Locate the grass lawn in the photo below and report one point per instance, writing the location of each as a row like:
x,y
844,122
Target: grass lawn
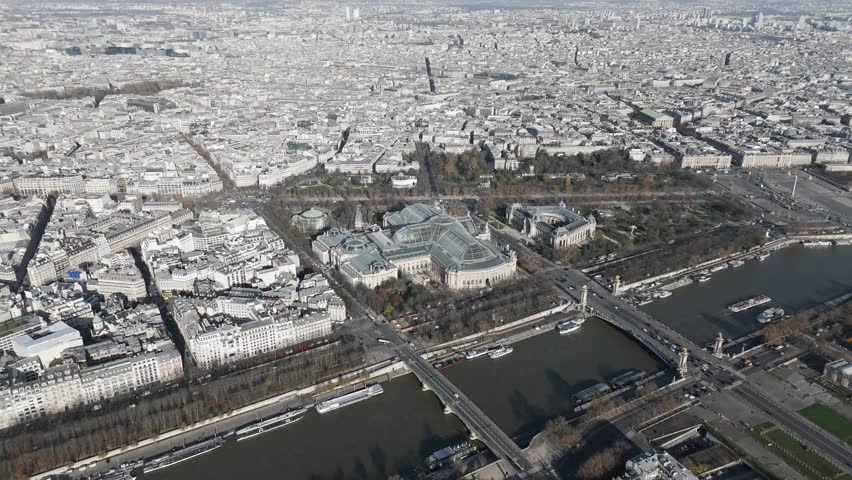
x,y
829,420
808,463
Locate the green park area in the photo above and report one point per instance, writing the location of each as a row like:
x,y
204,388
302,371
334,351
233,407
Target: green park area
x,y
829,420
807,462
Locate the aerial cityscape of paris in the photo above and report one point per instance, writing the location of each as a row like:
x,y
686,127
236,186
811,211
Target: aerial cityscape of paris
x,y
440,240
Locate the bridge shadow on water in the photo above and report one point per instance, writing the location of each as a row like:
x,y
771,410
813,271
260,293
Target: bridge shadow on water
x,y
381,465
561,392
376,468
525,413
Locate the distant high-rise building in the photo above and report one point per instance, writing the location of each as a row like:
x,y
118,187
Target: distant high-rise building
x,y
706,13
637,23
348,15
429,76
759,20
728,58
356,14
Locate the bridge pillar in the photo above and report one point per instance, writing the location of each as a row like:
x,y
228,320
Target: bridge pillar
x,y
717,348
447,410
424,387
682,362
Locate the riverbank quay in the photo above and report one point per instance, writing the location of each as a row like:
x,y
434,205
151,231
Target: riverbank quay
x,y
770,246
628,418
230,421
508,333
375,373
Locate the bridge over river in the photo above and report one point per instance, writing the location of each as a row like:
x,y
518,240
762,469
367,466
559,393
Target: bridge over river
x,y
456,402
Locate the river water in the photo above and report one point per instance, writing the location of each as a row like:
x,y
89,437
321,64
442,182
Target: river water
x,y
394,432
795,278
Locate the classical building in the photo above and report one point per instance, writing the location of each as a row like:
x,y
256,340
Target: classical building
x,y
418,239
126,281
311,220
126,375
712,160
772,159
244,331
656,119
29,390
656,466
401,181
556,226
839,372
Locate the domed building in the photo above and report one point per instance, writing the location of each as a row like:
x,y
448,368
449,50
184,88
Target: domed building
x,y
311,220
419,239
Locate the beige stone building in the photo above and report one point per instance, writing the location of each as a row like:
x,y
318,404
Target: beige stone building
x,y
419,239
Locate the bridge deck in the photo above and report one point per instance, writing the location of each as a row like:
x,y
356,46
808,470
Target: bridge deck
x,y
475,420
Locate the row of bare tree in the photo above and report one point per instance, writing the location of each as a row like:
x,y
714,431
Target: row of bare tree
x,y
58,440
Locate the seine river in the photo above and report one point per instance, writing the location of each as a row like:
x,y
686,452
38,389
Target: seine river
x,y
795,278
394,432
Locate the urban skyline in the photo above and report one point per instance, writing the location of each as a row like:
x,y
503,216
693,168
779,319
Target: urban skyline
x,y
218,220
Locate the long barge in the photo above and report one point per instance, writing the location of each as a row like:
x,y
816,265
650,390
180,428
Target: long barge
x,y
751,302
182,454
449,455
262,426
349,398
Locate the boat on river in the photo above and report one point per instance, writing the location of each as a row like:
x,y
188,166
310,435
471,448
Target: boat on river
x,y
182,454
751,302
449,455
770,314
500,351
349,398
475,353
262,426
569,326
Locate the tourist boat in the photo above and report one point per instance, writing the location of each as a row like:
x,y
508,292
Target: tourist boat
x,y
736,263
568,327
751,302
349,398
762,256
703,278
500,351
663,294
817,243
475,352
